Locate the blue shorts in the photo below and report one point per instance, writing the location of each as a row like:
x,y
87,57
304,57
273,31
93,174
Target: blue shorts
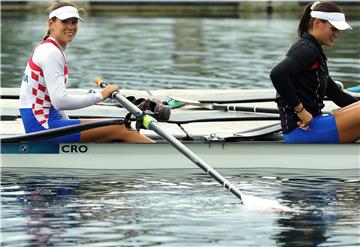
x,y
55,121
322,130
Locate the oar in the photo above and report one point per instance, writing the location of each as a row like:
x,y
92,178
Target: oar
x,y
244,108
175,102
266,117
151,124
179,102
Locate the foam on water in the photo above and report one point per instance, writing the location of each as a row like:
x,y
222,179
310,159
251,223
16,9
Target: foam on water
x,y
257,203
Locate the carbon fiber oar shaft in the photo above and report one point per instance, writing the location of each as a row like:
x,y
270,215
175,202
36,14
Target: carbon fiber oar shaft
x,y
152,124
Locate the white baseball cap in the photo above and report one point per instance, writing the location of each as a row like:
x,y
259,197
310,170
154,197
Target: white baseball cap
x,y
336,19
65,12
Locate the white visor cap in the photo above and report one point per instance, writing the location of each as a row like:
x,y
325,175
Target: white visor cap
x,y
335,18
65,12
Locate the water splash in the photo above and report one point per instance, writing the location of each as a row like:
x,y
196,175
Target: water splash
x,y
257,203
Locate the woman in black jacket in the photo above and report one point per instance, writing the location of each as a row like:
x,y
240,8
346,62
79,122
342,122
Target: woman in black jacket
x,y
302,81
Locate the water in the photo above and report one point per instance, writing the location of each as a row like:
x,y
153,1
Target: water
x,y
153,53
177,208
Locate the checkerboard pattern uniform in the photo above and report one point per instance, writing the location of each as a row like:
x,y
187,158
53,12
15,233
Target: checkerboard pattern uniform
x,y
41,99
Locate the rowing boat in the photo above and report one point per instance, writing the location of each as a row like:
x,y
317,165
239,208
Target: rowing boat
x,y
163,156
223,139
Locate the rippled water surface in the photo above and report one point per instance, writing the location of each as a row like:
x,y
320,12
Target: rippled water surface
x,y
177,208
148,53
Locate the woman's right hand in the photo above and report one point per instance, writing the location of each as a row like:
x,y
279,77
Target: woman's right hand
x,y
108,90
305,118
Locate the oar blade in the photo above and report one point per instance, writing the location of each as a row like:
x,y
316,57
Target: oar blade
x,y
261,204
176,102
173,103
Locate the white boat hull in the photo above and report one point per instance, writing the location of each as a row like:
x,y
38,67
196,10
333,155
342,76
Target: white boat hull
x,y
240,154
164,156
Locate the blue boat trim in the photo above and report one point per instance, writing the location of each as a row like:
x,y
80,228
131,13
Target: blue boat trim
x,y
30,148
355,89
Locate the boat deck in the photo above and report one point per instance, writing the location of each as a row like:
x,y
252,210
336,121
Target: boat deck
x,y
187,122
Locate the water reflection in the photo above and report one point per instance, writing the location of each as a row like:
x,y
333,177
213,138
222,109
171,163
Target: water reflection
x,y
174,207
309,227
148,53
45,208
304,230
322,206
63,210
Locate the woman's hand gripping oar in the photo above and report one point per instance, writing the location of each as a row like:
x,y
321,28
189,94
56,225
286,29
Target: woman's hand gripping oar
x,y
151,124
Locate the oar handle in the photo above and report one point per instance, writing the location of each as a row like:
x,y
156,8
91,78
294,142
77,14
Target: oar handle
x,y
122,100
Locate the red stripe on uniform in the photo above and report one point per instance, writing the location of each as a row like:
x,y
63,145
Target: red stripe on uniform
x,y
41,88
42,122
66,70
47,98
34,76
39,112
46,115
52,42
315,66
39,101
34,91
33,66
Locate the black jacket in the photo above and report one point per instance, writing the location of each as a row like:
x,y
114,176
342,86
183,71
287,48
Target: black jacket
x,y
303,77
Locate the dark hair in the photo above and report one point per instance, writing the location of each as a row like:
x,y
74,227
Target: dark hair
x,y
306,21
58,4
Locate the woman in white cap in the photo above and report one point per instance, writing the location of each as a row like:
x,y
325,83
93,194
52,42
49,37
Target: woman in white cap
x,y
302,81
44,97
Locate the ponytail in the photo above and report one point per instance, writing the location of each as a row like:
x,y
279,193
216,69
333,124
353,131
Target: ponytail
x,y
306,21
47,34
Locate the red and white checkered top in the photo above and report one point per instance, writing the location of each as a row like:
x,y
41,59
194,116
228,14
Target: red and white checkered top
x,y
34,77
44,83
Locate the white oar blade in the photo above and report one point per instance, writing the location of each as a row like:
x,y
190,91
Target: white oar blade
x,y
257,203
187,101
190,102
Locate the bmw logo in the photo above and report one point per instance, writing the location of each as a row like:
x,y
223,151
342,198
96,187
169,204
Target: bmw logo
x,y
23,148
